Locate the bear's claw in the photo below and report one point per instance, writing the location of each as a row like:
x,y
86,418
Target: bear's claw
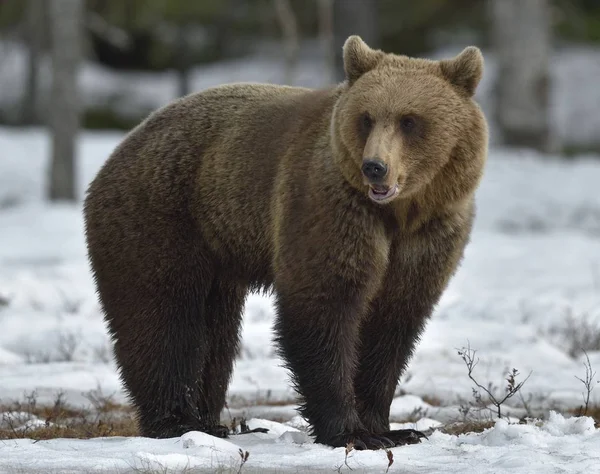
x,y
363,441
219,431
254,430
402,437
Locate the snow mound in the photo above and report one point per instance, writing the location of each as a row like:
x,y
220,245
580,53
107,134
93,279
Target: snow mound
x,y
558,425
534,433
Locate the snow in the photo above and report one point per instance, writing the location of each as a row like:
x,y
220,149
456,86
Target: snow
x,y
555,445
529,279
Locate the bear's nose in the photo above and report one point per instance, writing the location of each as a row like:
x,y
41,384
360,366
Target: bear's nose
x,y
374,170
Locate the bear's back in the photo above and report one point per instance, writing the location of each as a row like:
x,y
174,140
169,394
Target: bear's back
x,y
211,158
264,125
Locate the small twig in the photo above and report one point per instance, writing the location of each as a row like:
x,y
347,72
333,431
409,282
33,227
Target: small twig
x,y
588,384
244,456
349,449
9,421
511,389
526,404
390,457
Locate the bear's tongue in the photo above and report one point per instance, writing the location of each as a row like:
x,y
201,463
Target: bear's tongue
x,y
380,190
381,193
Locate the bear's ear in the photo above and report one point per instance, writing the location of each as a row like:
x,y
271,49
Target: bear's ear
x,y
465,70
358,58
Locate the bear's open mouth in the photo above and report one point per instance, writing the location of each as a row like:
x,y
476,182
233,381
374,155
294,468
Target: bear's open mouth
x,y
382,193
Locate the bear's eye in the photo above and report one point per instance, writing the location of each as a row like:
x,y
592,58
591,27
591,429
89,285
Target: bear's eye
x,y
408,123
366,122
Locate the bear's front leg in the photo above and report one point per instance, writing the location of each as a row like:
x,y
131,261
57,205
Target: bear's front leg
x,y
421,265
323,283
317,335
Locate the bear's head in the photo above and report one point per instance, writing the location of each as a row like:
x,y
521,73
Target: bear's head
x,y
405,126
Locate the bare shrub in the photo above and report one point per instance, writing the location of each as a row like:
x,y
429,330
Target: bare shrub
x,y
4,301
588,383
65,350
486,395
103,353
67,345
577,335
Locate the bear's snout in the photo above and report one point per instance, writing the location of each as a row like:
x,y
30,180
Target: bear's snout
x,y
374,170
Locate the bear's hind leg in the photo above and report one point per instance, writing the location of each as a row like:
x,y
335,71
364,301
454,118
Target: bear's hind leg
x,y
163,360
156,310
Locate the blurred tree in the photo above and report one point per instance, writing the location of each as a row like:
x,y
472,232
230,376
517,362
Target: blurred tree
x,y
183,62
578,20
148,35
66,25
289,28
158,29
325,14
354,17
521,38
35,34
417,28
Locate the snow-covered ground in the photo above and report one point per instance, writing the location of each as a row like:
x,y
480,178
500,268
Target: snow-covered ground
x,y
557,445
526,295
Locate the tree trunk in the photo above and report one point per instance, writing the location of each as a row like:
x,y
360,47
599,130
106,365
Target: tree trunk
x,y
353,17
326,37
522,42
66,19
289,27
183,61
34,30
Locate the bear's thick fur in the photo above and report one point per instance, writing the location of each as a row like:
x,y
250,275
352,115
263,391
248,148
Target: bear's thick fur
x,y
353,203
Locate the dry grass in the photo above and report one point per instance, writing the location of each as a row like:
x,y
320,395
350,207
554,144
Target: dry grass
x,y
432,400
103,418
465,427
28,419
81,427
593,411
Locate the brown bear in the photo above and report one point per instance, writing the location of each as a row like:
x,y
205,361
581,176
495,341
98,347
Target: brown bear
x,y
353,204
